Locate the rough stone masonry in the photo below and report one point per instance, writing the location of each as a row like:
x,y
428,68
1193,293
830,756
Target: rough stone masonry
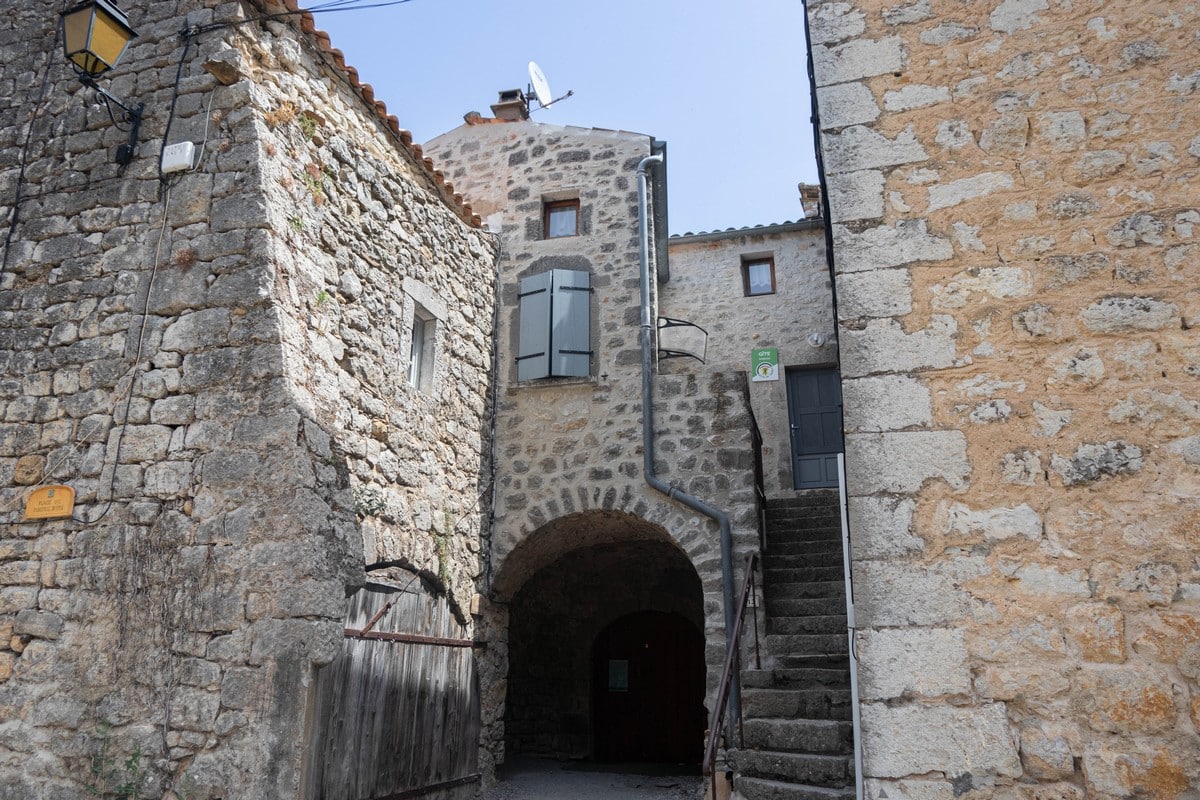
x,y
1017,240
218,366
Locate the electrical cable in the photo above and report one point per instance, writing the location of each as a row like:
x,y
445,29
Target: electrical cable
x,y
132,374
165,186
187,34
203,142
24,159
321,8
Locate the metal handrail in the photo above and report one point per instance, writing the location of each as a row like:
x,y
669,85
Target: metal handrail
x,y
756,446
732,668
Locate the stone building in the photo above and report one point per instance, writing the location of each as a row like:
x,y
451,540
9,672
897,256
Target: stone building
x,y
260,376
301,372
790,312
268,380
589,563
1014,221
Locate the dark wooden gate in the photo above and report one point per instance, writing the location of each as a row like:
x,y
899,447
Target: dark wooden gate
x,y
397,713
648,690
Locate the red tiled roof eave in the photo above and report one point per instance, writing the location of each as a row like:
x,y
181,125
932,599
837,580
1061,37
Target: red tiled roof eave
x,y
338,61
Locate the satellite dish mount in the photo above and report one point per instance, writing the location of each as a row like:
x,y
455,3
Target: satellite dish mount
x,y
539,88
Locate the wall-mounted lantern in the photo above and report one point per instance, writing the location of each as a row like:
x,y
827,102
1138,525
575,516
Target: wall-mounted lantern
x,y
95,35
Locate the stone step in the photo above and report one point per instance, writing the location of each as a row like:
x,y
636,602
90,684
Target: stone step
x,y
813,769
785,606
830,673
762,789
799,736
776,575
829,623
809,558
793,523
792,546
823,703
789,590
807,644
815,498
794,526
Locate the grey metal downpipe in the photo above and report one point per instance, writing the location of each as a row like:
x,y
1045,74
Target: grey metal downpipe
x,y
670,491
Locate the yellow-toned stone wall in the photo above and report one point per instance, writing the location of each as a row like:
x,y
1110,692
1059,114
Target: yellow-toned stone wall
x,y
1016,216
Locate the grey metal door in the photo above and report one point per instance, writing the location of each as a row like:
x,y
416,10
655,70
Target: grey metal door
x,y
815,413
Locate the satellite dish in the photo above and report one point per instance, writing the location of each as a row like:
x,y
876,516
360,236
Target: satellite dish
x,y
541,87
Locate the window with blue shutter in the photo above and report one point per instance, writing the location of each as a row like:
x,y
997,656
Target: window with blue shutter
x,y
555,315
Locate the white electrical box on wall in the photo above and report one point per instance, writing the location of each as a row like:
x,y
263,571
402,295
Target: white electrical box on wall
x,y
178,157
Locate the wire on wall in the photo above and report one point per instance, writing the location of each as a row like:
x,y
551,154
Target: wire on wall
x,y
126,396
133,370
38,104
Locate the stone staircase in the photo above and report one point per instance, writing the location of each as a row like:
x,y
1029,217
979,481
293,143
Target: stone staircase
x,y
796,710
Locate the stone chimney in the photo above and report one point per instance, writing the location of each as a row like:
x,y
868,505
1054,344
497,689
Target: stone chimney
x,y
810,200
511,106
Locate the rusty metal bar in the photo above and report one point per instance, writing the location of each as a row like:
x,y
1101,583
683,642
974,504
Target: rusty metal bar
x,y
754,615
371,624
433,787
731,665
410,638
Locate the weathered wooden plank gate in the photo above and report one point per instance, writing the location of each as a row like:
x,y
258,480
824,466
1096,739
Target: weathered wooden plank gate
x,y
397,713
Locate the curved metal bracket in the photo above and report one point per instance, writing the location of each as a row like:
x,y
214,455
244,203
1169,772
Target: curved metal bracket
x,y
132,116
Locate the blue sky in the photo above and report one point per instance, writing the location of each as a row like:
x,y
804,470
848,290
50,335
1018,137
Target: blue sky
x,y
724,84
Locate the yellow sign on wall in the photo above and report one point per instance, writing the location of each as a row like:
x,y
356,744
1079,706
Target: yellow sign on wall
x,y
50,502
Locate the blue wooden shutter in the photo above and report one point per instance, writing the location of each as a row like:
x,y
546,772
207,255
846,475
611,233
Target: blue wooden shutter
x,y
571,319
533,345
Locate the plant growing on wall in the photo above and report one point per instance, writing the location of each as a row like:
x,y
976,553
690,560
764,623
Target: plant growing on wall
x,y
369,501
308,126
314,181
112,780
282,114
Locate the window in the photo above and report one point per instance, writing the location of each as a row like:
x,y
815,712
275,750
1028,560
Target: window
x,y
560,218
420,354
758,276
555,319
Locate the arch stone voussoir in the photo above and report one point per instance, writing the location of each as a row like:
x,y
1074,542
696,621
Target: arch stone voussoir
x,y
603,515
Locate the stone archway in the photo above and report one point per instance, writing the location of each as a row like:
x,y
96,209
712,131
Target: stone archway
x,y
562,598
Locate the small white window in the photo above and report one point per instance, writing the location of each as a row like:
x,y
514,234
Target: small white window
x,y
421,351
758,276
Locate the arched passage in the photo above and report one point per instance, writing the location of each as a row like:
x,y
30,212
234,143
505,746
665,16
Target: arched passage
x,y
558,614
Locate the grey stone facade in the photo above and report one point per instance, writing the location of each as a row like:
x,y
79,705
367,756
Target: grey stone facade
x,y
568,451
1013,194
706,288
218,366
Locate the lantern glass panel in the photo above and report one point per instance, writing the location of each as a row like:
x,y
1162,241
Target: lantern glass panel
x,y
77,25
95,35
109,38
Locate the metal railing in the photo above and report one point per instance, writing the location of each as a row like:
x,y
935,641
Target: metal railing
x,y
729,682
756,446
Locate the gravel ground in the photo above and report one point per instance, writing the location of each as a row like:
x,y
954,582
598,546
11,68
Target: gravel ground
x,y
544,779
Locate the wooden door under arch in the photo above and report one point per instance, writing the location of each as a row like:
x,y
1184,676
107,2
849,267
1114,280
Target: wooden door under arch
x,y
648,690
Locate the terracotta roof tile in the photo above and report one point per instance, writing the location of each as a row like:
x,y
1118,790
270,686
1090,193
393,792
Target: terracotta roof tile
x,y
481,120
338,58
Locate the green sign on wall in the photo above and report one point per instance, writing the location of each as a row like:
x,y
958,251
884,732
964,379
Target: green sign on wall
x,y
764,364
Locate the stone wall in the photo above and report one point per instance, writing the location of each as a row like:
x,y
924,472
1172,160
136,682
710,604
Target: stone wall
x,y
706,289
568,451
1013,188
211,364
